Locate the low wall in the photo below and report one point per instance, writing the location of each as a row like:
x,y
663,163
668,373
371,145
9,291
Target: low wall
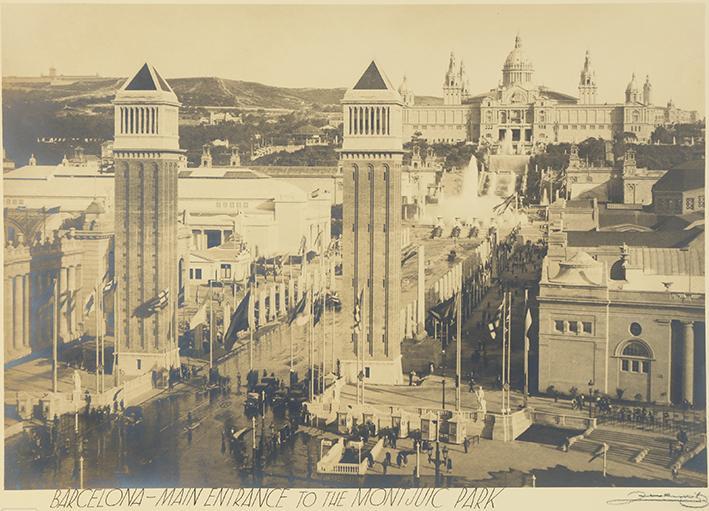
x,y
563,421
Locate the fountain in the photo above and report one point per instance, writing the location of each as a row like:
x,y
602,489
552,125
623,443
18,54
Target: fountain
x,y
472,206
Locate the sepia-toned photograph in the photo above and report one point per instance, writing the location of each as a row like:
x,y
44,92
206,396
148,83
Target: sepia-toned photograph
x,y
353,246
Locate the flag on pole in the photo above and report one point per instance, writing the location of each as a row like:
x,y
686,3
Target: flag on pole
x,y
505,204
240,320
159,302
226,314
318,307
110,284
493,325
318,242
199,317
89,305
445,310
300,313
357,327
527,328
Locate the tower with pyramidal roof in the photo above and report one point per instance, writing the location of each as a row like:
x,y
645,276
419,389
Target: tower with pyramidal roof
x,y
371,157
146,153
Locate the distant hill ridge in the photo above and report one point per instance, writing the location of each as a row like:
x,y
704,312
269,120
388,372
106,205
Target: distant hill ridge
x,y
194,92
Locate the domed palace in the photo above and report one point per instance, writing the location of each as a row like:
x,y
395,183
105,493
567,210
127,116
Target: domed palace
x,y
519,114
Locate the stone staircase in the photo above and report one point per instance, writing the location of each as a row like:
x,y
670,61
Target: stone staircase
x,y
624,446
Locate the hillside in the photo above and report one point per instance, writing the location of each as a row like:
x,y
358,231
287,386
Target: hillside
x,y
192,92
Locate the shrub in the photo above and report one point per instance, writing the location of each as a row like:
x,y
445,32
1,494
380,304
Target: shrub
x,y
619,393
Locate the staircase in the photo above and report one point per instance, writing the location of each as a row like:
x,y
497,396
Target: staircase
x,y
625,445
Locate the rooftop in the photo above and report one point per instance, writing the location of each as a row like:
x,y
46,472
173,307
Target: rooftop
x,y
659,239
685,177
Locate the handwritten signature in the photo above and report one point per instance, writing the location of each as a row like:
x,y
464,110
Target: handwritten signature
x,y
694,500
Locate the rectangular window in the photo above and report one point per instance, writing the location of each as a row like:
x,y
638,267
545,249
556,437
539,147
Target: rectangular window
x,y
624,365
701,201
226,271
636,366
573,327
646,367
587,327
689,203
138,363
366,372
558,326
191,273
198,273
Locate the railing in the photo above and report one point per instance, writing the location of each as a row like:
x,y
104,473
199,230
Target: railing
x,y
662,422
344,468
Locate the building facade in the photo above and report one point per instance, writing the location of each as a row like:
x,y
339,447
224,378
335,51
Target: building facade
x,y
371,158
521,113
626,320
146,154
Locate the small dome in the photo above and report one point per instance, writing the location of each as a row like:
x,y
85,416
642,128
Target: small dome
x,y
404,87
631,85
517,58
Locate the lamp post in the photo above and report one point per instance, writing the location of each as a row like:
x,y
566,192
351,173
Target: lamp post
x,y
590,397
443,379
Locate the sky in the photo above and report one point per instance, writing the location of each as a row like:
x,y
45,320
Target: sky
x,y
330,45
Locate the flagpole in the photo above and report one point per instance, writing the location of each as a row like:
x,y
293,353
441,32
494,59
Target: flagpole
x,y
458,340
504,350
290,327
55,336
526,348
322,323
211,333
252,300
103,340
365,337
311,355
509,345
97,341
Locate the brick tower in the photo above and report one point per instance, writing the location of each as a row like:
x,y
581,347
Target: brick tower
x,y
371,165
146,154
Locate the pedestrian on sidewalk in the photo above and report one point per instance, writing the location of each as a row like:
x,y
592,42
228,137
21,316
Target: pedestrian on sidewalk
x,y
385,464
466,444
449,465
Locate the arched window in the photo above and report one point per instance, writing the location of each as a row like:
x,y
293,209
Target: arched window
x,y
636,349
636,116
635,358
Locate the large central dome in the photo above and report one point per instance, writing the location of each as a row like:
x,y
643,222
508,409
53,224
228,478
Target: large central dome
x,y
518,68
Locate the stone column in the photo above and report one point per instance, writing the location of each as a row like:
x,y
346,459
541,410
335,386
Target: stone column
x,y
272,302
262,308
291,293
281,298
17,321
8,330
688,361
26,310
420,291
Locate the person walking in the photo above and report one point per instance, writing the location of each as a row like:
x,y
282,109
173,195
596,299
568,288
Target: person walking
x,y
466,444
449,465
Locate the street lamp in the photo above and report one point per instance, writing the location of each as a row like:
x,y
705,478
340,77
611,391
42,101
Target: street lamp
x,y
443,378
590,397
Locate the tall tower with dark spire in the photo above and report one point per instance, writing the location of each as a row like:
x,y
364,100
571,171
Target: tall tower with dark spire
x,y
452,85
647,91
587,84
146,154
371,157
